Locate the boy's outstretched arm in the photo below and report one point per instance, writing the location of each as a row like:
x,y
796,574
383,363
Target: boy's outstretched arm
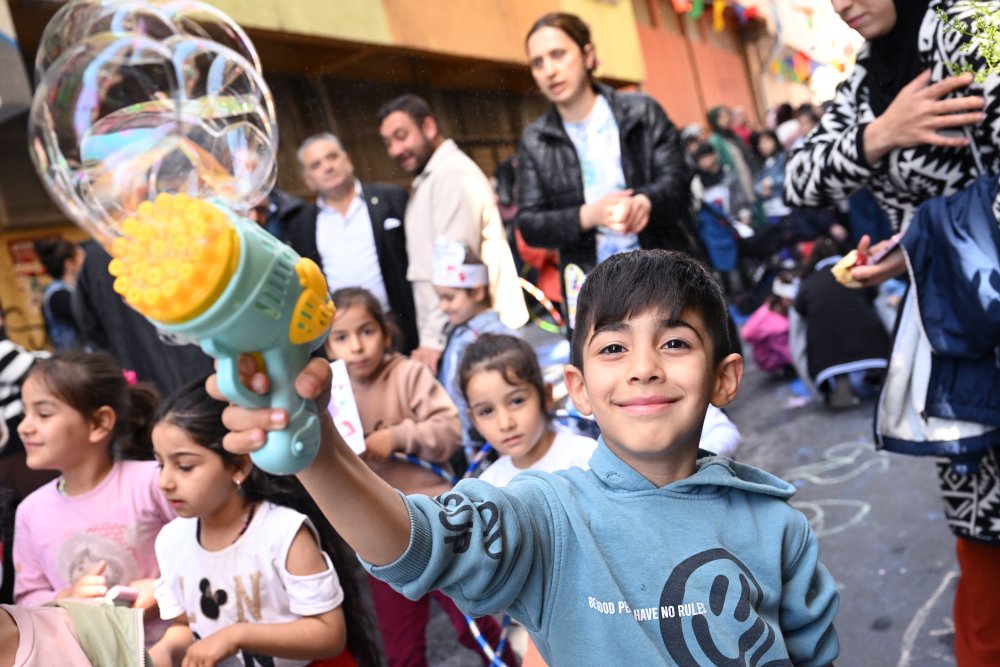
x,y
368,513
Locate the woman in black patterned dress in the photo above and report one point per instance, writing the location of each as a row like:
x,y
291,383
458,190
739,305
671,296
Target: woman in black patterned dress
x,y
903,125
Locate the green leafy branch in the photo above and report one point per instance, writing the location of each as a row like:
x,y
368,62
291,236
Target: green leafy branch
x,y
983,38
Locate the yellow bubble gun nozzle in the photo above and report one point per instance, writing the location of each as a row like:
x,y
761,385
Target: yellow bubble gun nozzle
x,y
197,269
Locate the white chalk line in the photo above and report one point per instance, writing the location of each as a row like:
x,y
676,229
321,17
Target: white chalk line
x,y
819,516
913,630
838,457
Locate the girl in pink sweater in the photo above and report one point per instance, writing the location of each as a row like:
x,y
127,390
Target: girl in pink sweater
x,y
93,527
403,408
767,329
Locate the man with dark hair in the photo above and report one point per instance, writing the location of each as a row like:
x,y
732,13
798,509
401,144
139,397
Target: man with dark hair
x,y
354,231
453,199
413,106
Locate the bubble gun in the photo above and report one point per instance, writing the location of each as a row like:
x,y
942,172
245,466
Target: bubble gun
x,y
196,269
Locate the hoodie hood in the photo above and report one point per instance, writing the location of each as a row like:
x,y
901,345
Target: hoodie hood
x,y
713,475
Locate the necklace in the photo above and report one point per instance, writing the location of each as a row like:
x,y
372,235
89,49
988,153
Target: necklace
x,y
247,518
61,483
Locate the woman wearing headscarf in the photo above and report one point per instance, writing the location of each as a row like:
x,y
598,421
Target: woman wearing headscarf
x,y
904,125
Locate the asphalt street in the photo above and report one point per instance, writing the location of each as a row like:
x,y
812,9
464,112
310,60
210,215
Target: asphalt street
x,y
878,517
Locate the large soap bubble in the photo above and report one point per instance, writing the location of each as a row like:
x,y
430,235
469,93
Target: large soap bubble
x,y
78,20
199,19
67,28
118,120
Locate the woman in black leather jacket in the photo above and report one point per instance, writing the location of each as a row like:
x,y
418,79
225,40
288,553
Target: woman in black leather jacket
x,y
633,192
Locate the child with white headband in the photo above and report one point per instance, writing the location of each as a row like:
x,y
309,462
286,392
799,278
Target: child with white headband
x,y
462,284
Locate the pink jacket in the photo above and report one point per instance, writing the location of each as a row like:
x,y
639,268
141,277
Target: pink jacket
x,y
767,333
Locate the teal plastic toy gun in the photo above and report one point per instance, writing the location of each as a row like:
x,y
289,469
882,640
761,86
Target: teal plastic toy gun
x,y
196,269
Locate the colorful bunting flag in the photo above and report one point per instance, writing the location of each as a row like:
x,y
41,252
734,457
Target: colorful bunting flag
x,y
718,16
695,8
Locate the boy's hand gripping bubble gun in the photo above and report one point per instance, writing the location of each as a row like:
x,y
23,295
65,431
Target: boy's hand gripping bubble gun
x,y
196,269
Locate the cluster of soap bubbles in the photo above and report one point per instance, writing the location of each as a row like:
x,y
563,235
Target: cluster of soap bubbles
x,y
138,98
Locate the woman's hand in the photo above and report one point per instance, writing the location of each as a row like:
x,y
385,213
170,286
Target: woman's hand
x,y
633,214
248,428
871,275
918,113
602,212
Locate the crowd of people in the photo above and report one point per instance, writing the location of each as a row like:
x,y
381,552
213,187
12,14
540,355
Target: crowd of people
x,y
668,251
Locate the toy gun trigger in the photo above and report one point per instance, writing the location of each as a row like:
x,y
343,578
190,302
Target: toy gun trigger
x,y
314,310
231,386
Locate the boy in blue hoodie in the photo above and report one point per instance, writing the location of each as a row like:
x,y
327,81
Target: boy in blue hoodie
x,y
659,554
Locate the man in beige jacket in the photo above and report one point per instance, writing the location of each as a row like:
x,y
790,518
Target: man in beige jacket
x,y
451,198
